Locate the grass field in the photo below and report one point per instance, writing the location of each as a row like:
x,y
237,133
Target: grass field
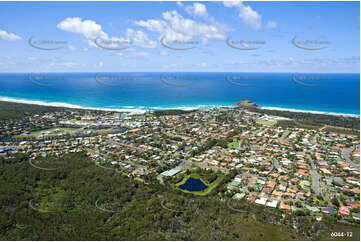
x,y
267,123
197,176
37,133
235,144
60,130
71,131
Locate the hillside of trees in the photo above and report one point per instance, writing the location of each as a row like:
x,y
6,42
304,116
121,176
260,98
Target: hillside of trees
x,y
313,118
81,201
10,110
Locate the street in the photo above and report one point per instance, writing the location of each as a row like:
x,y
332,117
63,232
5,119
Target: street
x,y
315,175
345,154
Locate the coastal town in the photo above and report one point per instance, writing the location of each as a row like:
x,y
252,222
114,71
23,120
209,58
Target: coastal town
x,y
296,170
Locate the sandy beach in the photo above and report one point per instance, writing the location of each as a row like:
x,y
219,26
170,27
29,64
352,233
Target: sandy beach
x,y
141,111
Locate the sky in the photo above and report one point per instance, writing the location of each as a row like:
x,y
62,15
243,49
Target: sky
x,y
231,36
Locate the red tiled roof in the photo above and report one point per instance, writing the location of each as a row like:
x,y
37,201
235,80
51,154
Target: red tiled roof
x,y
285,206
270,184
302,171
344,211
345,189
356,190
351,178
250,198
289,194
353,205
291,190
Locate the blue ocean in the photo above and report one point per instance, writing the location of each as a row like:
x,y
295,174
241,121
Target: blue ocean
x,y
329,93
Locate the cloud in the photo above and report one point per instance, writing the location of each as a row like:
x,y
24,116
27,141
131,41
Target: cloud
x,y
271,24
174,26
139,38
88,28
91,31
9,36
197,9
200,10
249,16
230,4
180,4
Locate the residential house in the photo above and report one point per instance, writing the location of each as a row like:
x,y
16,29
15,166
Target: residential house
x,y
344,211
285,206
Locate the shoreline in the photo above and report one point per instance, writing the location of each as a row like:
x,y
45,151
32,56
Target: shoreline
x,y
142,111
67,105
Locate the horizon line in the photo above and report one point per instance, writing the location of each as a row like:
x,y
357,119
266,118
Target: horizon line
x,y
177,72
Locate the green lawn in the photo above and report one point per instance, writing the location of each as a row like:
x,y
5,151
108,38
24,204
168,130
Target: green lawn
x,y
235,144
57,132
267,123
64,130
37,133
197,176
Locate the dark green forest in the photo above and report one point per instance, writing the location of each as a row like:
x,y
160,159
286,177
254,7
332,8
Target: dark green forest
x,y
11,110
313,119
81,201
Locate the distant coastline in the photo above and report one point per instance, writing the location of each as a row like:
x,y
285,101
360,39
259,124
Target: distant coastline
x,y
136,110
66,105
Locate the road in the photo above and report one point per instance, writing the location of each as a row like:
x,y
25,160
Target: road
x,y
315,176
314,139
285,134
14,147
184,165
322,128
345,154
41,168
276,164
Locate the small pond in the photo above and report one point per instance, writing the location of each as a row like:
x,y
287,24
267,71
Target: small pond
x,y
193,185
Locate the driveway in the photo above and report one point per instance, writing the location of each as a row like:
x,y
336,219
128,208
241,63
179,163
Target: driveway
x,y
314,139
276,164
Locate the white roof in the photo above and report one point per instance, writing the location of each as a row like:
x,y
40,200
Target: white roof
x,y
237,179
272,204
261,201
